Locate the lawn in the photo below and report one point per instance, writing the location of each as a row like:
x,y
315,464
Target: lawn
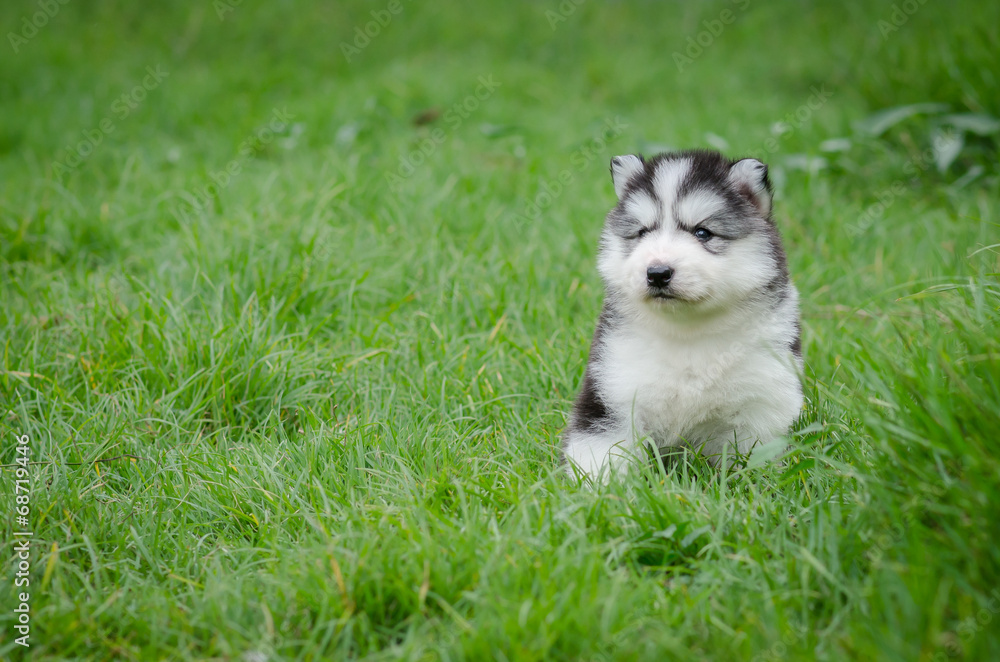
x,y
295,298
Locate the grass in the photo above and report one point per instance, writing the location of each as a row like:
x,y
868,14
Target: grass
x,y
312,412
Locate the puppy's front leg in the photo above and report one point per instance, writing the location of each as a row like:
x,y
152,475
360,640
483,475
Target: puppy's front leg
x,y
598,454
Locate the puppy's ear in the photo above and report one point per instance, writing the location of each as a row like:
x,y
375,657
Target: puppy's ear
x,y
749,177
623,169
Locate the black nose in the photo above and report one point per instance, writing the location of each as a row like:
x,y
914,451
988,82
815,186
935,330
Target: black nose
x,y
659,276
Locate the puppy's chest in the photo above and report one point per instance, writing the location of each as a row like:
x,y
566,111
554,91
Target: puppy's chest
x,y
673,387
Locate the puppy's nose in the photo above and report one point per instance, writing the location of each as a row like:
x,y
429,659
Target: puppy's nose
x,y
658,276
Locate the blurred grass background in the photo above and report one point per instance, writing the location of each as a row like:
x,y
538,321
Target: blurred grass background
x,y
342,366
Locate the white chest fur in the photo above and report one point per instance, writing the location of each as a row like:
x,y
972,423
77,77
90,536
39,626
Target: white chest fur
x,y
700,388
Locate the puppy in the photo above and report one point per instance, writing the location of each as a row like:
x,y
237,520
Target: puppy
x,y
699,342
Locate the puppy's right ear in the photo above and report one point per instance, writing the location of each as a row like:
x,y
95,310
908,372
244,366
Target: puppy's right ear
x,y
750,178
623,169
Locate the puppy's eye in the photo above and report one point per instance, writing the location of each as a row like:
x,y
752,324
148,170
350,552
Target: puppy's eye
x,y
639,234
703,234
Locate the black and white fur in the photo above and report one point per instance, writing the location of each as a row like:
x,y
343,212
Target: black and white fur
x,y
698,343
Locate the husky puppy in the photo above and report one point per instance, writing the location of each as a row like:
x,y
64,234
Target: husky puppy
x,y
698,343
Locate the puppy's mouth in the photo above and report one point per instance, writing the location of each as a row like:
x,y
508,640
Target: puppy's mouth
x,y
661,294
669,296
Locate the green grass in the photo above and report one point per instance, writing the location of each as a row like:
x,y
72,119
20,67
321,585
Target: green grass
x,y
307,415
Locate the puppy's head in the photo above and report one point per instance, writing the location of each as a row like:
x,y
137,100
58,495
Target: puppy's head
x,y
692,230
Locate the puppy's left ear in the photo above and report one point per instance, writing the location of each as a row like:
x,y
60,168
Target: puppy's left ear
x,y
623,169
749,177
